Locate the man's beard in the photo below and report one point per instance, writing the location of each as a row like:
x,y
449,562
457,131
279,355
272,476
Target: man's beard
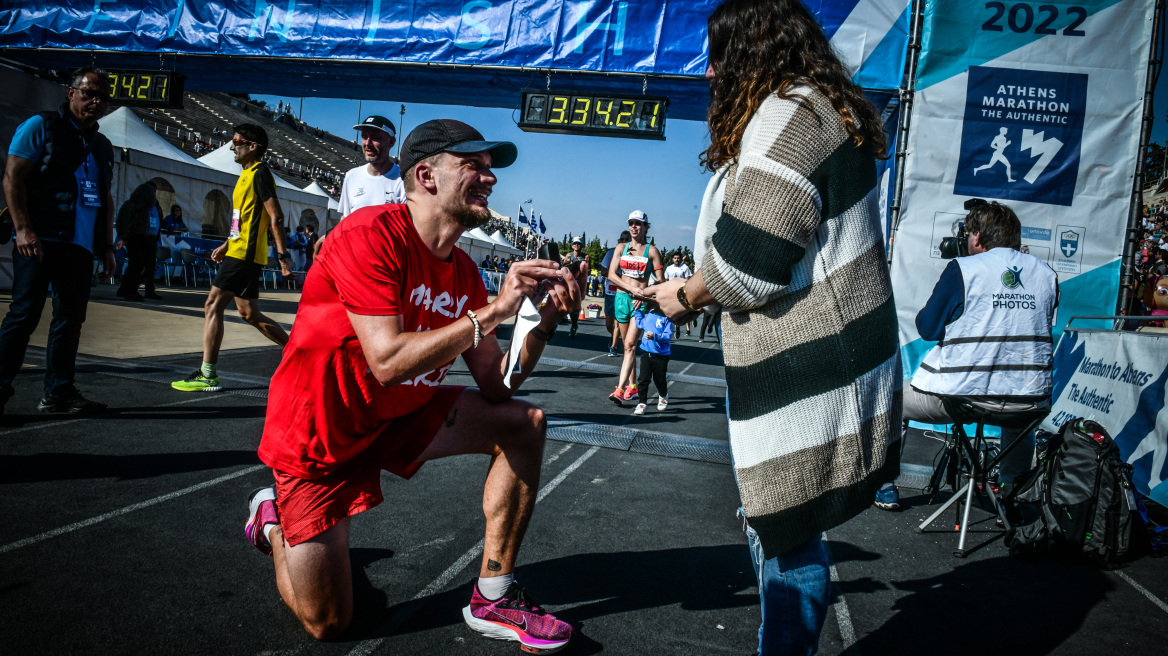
x,y
470,217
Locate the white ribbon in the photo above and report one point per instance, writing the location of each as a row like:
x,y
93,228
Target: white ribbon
x,y
527,319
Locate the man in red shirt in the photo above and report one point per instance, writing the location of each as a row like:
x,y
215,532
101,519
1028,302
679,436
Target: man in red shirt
x,y
384,312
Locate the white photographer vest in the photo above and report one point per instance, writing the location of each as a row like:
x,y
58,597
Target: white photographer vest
x,y
1000,345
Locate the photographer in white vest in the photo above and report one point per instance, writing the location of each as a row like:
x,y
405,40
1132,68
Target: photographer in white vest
x,y
990,313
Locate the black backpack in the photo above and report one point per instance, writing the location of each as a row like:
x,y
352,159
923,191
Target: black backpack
x,y
1079,498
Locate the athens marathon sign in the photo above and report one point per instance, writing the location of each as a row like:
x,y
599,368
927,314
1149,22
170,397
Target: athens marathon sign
x,y
1022,134
1118,379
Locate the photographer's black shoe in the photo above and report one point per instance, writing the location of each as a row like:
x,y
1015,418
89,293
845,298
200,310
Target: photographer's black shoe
x,y
68,400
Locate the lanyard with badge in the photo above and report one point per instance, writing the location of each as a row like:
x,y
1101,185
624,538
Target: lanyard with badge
x,y
89,192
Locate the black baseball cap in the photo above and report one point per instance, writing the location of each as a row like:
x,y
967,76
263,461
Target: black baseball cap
x,y
451,136
377,122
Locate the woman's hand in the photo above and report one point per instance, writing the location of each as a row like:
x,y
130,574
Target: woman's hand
x,y
666,296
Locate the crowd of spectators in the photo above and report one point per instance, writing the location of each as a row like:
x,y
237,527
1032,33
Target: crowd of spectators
x,y
1150,259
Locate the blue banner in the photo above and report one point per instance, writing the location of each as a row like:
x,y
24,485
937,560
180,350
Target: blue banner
x,y
649,37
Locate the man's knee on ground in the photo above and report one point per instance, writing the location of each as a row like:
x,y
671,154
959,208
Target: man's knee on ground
x,y
326,625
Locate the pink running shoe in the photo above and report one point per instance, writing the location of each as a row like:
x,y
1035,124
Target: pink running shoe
x,y
617,396
630,392
514,617
261,506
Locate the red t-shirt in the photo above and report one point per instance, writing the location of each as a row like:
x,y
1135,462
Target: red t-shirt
x,y
324,405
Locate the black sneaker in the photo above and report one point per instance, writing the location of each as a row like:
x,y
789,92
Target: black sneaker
x,y
152,295
69,401
130,295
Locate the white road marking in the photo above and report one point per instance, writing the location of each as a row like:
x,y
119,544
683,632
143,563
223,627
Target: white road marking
x,y
698,359
367,647
1144,591
128,509
556,456
847,631
588,360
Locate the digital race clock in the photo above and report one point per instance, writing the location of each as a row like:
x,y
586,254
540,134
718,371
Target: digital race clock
x,y
146,88
600,115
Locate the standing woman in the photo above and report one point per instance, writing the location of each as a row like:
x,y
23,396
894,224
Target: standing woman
x,y
629,271
789,244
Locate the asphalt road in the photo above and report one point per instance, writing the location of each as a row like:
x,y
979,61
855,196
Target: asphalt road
x,y
123,534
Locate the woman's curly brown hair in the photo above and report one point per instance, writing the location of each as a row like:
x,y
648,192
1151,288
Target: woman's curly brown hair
x,y
760,47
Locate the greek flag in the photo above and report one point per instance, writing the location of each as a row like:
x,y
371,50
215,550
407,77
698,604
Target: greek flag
x,y
522,217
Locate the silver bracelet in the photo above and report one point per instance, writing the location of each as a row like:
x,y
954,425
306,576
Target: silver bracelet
x,y
478,336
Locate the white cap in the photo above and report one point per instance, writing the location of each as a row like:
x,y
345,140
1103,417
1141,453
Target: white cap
x,y
638,215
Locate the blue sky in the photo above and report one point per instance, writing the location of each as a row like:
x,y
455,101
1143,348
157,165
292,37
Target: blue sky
x,y
1159,124
579,184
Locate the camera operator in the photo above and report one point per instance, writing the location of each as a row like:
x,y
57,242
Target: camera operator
x,y
990,314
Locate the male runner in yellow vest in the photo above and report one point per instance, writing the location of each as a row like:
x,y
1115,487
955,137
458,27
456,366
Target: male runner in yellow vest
x,y
256,210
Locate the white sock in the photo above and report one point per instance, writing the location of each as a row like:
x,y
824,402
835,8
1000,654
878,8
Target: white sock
x,y
493,587
268,531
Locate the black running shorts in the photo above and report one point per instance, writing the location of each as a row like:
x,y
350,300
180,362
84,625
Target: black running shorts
x,y
239,277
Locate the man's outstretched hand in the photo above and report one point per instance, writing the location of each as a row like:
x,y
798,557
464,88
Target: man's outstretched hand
x,y
523,279
564,295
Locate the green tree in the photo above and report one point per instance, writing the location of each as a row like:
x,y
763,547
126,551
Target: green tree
x,y
1154,163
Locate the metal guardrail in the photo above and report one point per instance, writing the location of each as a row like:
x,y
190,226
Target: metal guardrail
x,y
1117,320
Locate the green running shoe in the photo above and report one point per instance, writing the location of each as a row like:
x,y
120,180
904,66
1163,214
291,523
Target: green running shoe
x,y
197,382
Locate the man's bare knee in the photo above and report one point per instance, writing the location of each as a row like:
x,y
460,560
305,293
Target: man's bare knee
x,y
537,422
527,430
326,628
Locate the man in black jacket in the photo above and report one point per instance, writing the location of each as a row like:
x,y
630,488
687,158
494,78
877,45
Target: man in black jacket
x,y
57,183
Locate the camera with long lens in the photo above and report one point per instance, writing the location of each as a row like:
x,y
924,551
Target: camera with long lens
x,y
958,245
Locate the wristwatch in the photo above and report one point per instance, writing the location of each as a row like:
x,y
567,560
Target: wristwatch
x,y
283,256
683,299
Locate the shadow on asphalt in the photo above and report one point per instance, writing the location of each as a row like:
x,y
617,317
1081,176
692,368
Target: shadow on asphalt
x,y
989,605
42,467
589,586
170,413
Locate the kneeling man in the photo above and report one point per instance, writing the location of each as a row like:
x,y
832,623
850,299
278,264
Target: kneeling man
x,y
385,310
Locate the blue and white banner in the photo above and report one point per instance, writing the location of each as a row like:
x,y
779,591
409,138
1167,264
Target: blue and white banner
x,y
251,42
1119,379
1035,105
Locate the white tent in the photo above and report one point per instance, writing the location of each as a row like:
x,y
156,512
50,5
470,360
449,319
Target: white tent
x,y
334,208
478,234
142,155
125,130
315,188
478,245
499,239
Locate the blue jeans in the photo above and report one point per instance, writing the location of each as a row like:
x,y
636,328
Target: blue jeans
x,y
67,268
794,590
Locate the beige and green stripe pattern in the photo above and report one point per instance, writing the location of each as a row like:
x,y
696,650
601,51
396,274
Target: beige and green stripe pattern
x,y
810,336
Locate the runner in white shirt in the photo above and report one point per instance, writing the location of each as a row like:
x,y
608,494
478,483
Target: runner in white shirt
x,y
678,269
379,181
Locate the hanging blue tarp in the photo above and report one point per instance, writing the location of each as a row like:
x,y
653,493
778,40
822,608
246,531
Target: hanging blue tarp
x,y
386,49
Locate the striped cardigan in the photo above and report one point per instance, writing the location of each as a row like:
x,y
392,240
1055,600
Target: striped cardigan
x,y
809,332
